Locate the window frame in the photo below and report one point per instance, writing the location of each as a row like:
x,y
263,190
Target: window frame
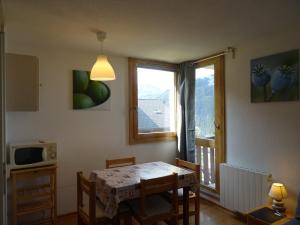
x,y
134,136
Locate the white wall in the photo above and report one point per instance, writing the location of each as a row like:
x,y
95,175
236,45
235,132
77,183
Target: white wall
x,y
264,136
85,138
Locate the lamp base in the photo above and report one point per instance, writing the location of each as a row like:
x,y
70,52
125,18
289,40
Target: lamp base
x,y
278,207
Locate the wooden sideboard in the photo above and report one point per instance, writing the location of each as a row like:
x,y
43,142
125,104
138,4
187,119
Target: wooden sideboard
x,y
34,191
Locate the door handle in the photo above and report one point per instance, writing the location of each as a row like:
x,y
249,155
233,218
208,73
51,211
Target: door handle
x,y
217,126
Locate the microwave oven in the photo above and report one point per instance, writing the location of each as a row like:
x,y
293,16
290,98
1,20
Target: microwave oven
x,y
26,155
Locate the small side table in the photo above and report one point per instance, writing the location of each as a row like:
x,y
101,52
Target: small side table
x,y
265,216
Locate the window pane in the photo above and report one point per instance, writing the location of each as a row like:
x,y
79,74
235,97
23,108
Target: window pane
x,y
205,103
155,100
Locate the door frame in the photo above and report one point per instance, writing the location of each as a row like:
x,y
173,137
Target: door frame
x,y
219,91
3,186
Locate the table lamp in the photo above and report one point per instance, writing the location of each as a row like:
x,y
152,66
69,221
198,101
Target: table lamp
x,y
278,193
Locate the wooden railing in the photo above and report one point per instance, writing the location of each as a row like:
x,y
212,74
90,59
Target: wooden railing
x,y
205,156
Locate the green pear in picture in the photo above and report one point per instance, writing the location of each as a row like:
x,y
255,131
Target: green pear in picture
x,y
80,81
88,93
98,91
82,101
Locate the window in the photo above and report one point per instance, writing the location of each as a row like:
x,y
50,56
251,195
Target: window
x,y
209,120
152,101
205,102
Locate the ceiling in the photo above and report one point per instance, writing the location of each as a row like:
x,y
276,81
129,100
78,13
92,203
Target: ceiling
x,y
169,30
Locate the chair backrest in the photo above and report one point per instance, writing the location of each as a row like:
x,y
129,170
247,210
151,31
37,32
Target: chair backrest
x,y
188,165
112,163
87,187
159,185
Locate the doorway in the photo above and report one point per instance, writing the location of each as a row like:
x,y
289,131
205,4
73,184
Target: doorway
x,y
210,120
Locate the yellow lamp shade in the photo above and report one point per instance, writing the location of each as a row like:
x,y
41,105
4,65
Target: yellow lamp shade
x,y
102,70
278,191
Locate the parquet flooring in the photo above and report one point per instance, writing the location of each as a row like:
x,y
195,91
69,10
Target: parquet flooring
x,y
210,214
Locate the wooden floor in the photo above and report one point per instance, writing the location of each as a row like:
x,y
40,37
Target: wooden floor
x,y
209,215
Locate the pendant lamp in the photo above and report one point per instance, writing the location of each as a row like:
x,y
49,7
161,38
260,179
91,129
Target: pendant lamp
x,y
102,69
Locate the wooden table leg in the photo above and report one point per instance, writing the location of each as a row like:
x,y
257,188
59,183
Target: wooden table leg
x,y
197,207
186,205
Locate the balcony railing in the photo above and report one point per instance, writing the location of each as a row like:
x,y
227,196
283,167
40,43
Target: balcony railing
x,y
205,156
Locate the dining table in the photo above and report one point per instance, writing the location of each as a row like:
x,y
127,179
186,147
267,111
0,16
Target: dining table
x,y
119,184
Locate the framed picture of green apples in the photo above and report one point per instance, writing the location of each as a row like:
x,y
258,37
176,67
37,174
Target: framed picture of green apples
x,y
275,78
89,94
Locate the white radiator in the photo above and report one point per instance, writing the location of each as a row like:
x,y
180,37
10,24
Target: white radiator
x,y
243,189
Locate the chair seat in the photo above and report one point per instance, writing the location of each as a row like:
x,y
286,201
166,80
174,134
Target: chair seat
x,y
154,205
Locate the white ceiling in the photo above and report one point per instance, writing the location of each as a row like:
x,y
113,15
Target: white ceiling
x,y
170,30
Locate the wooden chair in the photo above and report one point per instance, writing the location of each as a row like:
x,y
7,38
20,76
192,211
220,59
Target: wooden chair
x,y
193,195
112,163
152,207
92,212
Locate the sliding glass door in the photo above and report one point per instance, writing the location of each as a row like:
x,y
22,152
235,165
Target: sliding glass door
x,y
209,120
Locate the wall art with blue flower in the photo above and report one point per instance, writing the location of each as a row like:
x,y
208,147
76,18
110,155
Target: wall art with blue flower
x,y
275,77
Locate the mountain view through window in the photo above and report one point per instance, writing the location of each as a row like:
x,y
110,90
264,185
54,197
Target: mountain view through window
x,y
155,100
205,103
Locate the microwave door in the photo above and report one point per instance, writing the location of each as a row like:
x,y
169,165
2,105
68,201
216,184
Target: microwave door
x,y
28,155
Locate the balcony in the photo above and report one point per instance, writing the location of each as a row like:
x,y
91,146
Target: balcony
x,y
206,157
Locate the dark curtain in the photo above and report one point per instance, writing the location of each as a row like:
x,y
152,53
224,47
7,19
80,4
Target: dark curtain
x,y
186,87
